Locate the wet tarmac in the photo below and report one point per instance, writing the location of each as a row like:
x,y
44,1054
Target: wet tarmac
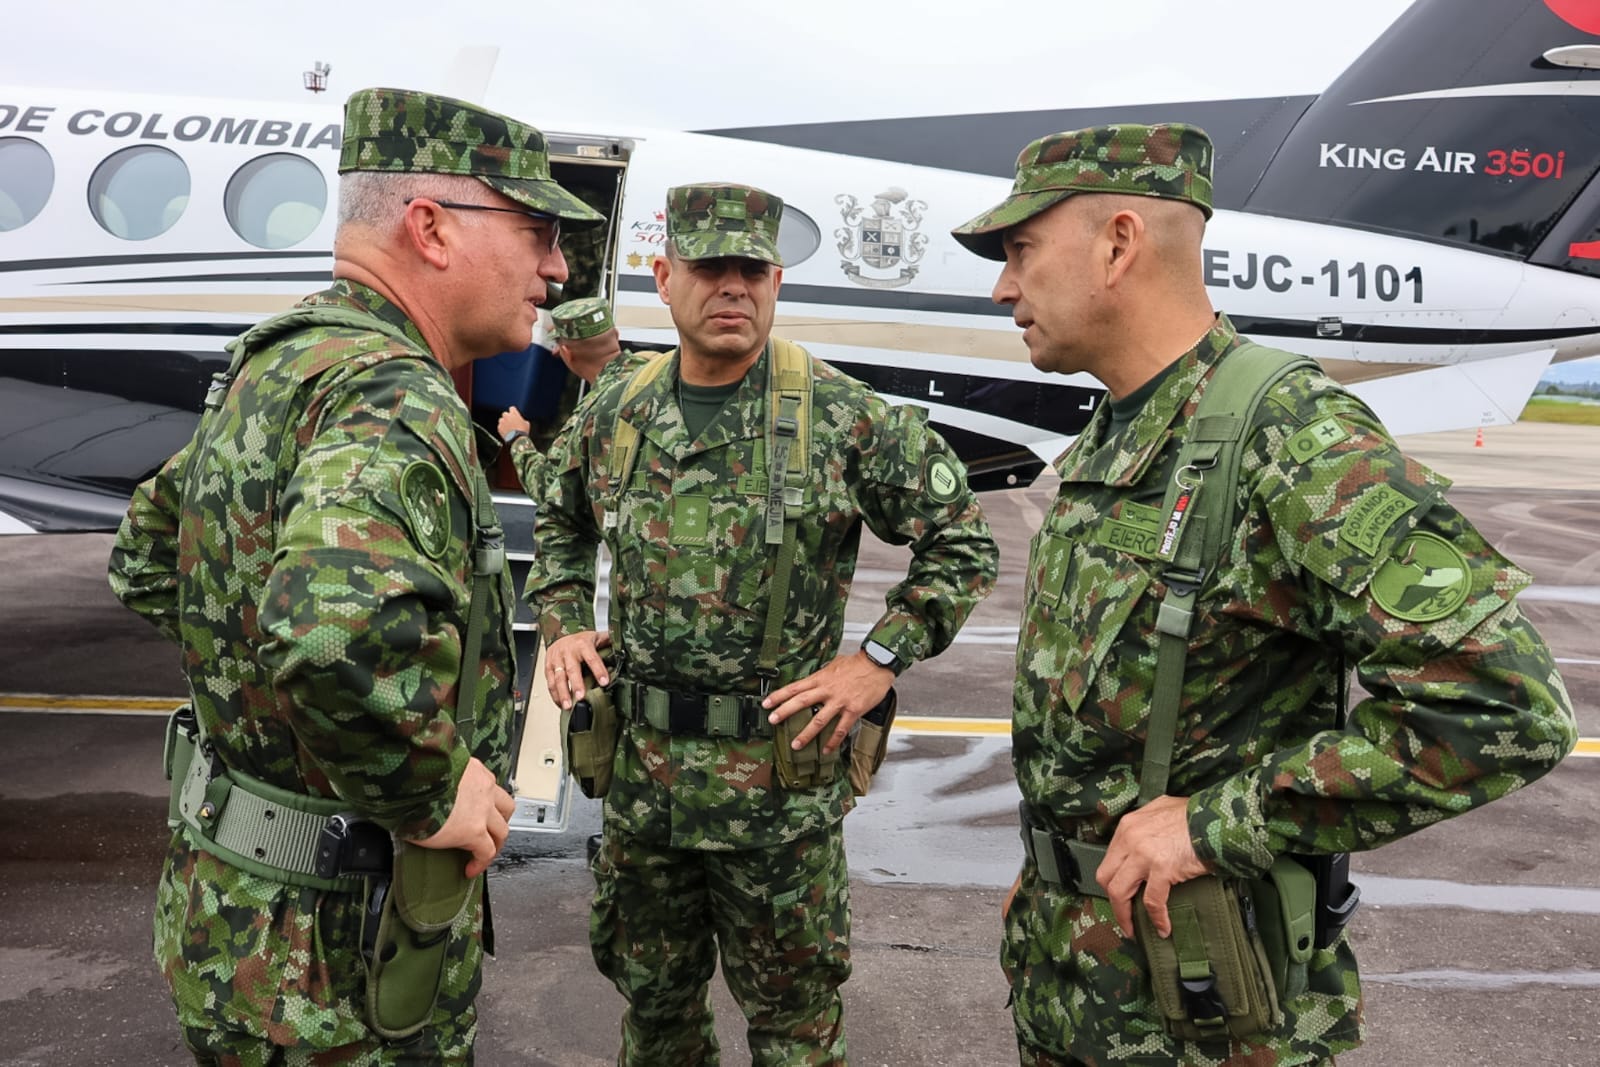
x,y
1479,938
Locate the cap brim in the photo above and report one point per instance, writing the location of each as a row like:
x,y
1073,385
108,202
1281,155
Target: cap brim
x,y
545,196
984,234
711,244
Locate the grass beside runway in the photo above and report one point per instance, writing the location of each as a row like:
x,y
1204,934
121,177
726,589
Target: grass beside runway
x,y
1566,412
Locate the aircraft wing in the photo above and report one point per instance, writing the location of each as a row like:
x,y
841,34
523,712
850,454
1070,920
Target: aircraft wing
x,y
1486,392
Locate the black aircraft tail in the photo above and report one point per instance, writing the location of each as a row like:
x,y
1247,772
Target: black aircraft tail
x,y
1475,124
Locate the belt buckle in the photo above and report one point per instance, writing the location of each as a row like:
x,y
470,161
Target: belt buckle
x,y
686,713
1065,863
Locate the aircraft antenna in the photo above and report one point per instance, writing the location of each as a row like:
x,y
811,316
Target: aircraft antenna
x,y
316,78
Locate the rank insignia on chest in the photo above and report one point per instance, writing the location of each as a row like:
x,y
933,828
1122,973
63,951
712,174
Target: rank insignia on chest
x,y
691,520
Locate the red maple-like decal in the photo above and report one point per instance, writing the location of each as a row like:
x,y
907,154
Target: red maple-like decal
x,y
1582,14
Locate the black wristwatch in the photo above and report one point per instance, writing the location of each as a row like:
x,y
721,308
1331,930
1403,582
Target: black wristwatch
x,y
883,656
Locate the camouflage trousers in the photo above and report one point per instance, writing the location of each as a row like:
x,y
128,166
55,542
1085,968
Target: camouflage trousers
x,y
263,973
781,919
1080,995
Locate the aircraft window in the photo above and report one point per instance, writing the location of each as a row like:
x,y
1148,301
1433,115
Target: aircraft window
x,y
798,236
276,201
27,174
140,192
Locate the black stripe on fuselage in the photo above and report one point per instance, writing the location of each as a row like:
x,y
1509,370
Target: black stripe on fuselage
x,y
179,329
258,276
154,257
1246,133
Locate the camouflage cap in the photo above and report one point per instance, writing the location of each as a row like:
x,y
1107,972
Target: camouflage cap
x,y
586,317
1171,160
422,133
711,220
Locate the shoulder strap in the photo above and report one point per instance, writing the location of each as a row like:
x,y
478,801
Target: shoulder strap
x,y
1197,525
624,435
788,425
488,560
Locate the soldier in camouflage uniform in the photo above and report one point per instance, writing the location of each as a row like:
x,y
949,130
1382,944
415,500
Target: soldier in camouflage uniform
x,y
587,342
312,552
1325,567
704,848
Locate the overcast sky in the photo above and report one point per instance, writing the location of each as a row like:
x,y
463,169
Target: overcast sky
x,y
639,64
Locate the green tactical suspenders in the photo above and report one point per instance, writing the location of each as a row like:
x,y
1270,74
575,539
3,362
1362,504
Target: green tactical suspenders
x,y
787,458
1238,947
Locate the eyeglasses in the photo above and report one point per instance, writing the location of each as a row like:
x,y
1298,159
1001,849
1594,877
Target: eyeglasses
x,y
538,216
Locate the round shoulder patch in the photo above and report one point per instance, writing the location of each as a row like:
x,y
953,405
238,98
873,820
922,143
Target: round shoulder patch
x,y
1426,579
427,503
941,478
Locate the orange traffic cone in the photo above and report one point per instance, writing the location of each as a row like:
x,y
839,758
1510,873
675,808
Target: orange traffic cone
x,y
1479,442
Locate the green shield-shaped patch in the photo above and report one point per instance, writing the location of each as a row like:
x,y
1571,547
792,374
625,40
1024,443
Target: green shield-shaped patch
x,y
423,492
1426,579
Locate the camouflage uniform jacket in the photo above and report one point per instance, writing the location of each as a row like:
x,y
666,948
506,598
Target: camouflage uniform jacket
x,y
689,583
1466,707
314,562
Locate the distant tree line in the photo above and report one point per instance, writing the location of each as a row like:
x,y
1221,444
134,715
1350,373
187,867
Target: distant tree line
x,y
1590,390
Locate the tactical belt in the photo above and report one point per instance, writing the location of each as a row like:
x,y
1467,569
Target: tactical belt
x,y
270,832
1062,861
698,714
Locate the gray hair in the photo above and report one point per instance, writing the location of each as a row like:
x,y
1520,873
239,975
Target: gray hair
x,y
375,198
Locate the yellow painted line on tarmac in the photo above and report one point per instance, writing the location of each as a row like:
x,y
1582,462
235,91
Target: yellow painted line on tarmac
x,y
88,705
920,725
951,726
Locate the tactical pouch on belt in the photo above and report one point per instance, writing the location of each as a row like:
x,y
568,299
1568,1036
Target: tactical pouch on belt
x,y
1285,904
871,744
413,915
1238,950
808,767
1210,978
589,733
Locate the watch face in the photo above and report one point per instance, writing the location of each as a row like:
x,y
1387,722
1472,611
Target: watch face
x,y
880,655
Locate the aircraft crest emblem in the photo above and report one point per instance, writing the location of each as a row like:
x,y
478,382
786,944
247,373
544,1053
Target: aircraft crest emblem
x,y
880,238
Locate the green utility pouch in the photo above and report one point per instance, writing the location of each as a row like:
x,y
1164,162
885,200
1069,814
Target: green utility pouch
x,y
1285,904
1211,978
808,767
589,732
871,744
1239,949
412,916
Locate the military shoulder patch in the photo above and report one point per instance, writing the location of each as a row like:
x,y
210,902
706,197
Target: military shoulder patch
x,y
1371,516
940,477
1312,441
1426,579
425,496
